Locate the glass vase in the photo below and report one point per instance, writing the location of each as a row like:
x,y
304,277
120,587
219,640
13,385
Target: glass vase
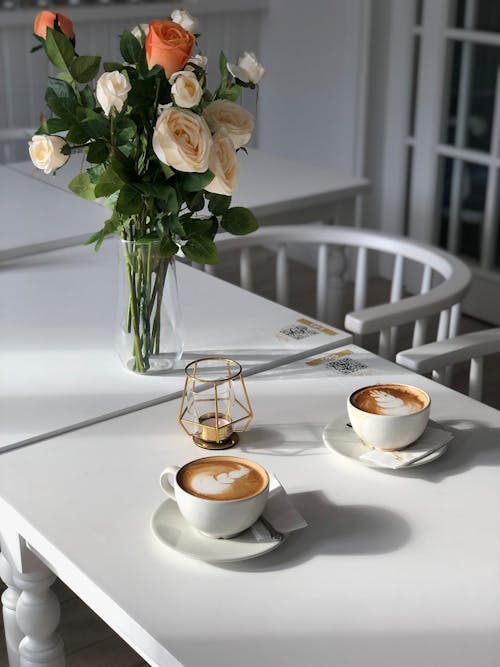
x,y
149,316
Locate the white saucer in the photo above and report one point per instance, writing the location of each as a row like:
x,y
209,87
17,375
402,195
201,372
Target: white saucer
x,y
341,438
171,529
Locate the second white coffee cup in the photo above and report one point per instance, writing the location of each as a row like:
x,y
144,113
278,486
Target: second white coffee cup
x,y
381,419
220,496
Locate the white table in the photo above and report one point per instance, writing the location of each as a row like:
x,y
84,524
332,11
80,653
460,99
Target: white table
x,y
278,190
394,569
59,365
33,220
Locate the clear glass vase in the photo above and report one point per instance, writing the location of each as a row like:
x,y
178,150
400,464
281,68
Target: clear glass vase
x,y
149,336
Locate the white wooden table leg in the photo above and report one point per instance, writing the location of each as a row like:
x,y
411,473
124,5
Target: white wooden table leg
x,y
10,596
37,607
38,614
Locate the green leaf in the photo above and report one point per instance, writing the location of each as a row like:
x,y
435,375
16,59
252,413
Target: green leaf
x,y
196,202
167,171
110,227
123,167
126,130
98,151
95,125
239,221
95,173
201,249
60,50
195,227
129,201
174,226
85,68
108,183
52,126
76,135
61,98
65,75
142,65
148,239
232,93
82,186
112,66
167,247
218,204
191,182
87,97
129,48
223,70
142,93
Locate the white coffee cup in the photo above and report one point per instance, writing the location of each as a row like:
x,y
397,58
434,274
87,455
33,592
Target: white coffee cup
x,y
389,416
220,496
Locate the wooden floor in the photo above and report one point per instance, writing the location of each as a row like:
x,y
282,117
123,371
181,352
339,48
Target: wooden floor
x,y
88,641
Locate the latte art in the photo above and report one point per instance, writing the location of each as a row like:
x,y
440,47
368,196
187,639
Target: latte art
x,y
391,400
216,485
222,478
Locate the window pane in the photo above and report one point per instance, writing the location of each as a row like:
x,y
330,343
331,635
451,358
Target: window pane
x,y
462,205
473,73
418,12
409,170
414,78
477,15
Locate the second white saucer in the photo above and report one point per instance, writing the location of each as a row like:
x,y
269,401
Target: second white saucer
x,y
340,437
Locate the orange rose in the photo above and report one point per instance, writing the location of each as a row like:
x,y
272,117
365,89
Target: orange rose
x,y
46,19
168,45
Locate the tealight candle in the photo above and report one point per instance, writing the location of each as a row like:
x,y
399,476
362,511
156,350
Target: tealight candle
x,y
215,427
212,421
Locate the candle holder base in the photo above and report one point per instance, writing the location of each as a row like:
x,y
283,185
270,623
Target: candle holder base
x,y
209,444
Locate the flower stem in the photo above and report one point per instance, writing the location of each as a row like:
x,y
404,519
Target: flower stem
x,y
138,359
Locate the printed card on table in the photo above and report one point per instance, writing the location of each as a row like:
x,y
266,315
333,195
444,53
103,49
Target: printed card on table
x,y
304,333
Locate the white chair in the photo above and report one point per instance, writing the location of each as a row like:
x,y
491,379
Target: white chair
x,y
444,279
436,357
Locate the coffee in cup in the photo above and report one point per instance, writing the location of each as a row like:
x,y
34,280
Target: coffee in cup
x,y
389,416
220,496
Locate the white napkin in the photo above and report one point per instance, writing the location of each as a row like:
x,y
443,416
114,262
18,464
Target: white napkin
x,y
431,439
279,512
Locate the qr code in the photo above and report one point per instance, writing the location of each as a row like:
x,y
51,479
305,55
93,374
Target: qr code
x,y
346,365
298,332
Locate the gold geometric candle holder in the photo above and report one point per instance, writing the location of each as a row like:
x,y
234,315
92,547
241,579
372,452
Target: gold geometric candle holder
x,y
215,406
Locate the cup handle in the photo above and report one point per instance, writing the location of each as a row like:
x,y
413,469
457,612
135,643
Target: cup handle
x,y
165,480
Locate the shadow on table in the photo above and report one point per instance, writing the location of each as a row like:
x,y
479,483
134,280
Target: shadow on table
x,y
333,529
473,444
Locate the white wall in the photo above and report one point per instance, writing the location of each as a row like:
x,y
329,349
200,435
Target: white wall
x,y
312,102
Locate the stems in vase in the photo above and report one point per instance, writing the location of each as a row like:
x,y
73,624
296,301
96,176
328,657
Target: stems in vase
x,y
146,279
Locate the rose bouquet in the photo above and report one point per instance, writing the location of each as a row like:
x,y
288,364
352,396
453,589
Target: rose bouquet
x,y
161,151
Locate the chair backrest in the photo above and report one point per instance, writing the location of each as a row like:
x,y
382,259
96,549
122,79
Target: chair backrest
x,y
443,282
436,357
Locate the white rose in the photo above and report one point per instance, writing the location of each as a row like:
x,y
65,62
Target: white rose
x,y
233,118
140,32
224,164
45,152
238,72
184,19
182,140
111,91
249,64
186,89
199,60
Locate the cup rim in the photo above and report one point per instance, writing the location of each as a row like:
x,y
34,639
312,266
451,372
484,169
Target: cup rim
x,y
395,384
222,500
